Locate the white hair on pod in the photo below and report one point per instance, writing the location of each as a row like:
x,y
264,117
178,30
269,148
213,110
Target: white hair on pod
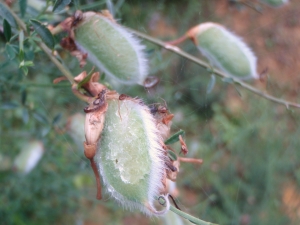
x,y
135,44
157,158
233,39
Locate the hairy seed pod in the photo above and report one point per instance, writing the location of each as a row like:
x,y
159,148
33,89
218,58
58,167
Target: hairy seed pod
x,y
224,50
275,3
110,47
30,155
130,157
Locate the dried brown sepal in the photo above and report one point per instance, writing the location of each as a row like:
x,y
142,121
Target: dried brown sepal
x,y
184,148
90,150
163,119
173,175
98,181
92,86
69,25
69,44
191,160
95,116
59,79
108,15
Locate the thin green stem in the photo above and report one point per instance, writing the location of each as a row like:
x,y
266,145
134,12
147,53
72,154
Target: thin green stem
x,y
48,51
189,217
219,73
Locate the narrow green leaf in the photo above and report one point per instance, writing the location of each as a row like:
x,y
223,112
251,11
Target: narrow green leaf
x,y
211,84
7,30
175,137
39,117
45,131
172,155
26,64
44,33
23,6
5,14
21,55
60,5
23,97
76,4
56,119
85,80
228,80
102,77
9,105
10,51
25,115
25,70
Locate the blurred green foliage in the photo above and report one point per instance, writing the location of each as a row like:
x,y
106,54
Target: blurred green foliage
x,y
250,153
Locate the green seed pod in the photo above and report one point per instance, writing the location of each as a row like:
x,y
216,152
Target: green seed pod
x,y
275,3
130,157
224,50
30,155
110,47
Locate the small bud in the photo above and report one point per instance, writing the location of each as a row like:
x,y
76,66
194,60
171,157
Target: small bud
x,y
30,155
130,156
108,45
275,3
224,50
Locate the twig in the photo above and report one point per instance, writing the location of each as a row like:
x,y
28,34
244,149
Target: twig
x,y
219,73
189,217
48,52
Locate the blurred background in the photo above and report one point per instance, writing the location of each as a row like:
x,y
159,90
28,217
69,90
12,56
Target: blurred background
x,y
250,146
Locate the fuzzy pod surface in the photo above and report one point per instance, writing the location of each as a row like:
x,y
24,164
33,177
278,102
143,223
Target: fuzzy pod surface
x,y
275,3
224,50
111,48
130,157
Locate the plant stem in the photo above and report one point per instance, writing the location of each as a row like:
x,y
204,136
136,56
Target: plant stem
x,y
219,73
60,66
189,217
48,52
